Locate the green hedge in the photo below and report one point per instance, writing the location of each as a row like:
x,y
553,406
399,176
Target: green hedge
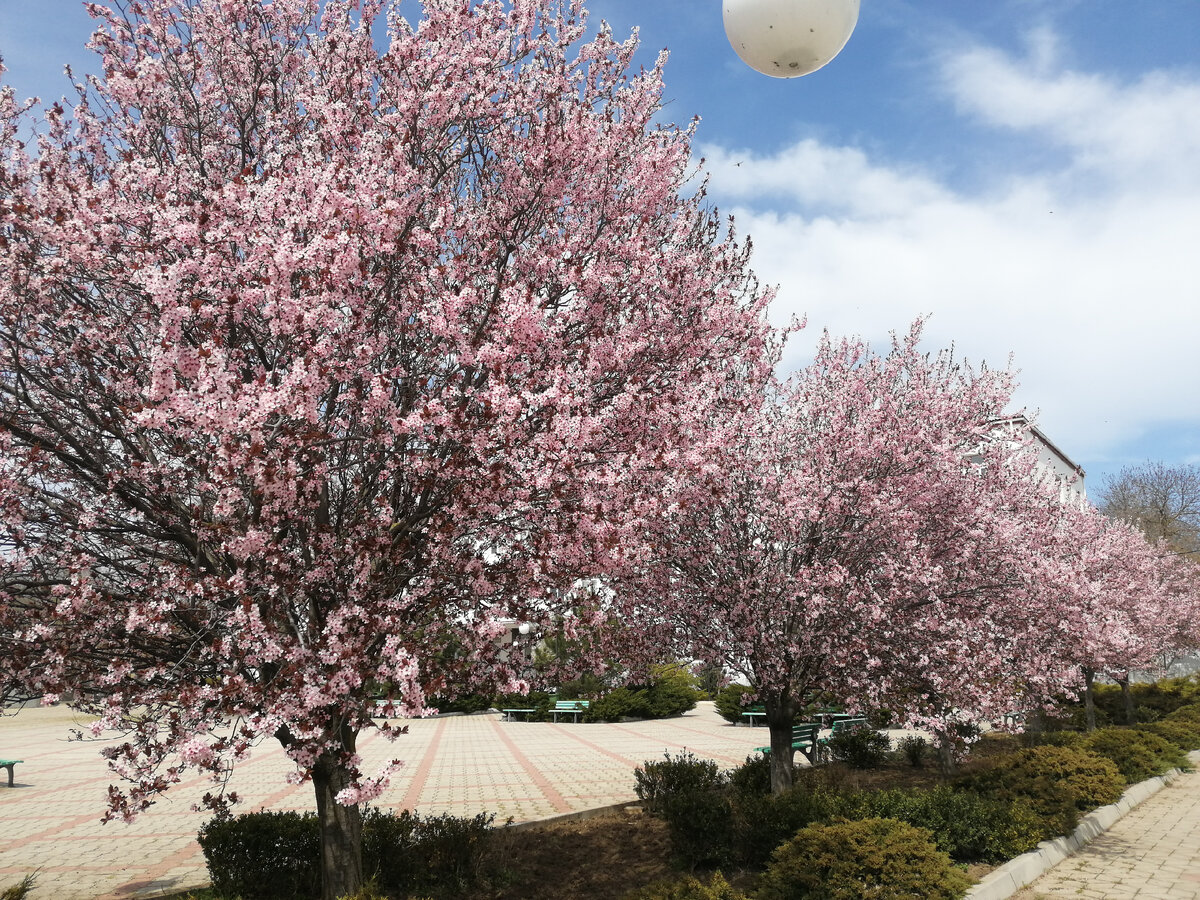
x,y
276,855
1137,754
883,859
1057,783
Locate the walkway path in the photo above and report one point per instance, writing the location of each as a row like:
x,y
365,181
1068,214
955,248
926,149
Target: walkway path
x,y
1153,853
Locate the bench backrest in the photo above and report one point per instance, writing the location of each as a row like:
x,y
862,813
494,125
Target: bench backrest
x,y
806,732
848,725
571,704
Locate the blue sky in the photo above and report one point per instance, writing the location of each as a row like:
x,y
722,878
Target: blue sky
x,y
1026,172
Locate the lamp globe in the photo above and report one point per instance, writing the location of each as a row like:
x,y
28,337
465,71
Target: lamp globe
x,y
789,38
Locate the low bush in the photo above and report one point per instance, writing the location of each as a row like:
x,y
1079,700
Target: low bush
x,y
1182,733
1188,713
883,859
263,855
729,702
268,855
763,821
689,888
659,781
912,749
859,748
1137,754
701,826
968,826
671,692
406,852
753,776
616,705
1051,738
1055,782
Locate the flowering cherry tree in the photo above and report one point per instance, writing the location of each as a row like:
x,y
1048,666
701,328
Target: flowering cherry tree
x,y
860,533
1133,603
320,360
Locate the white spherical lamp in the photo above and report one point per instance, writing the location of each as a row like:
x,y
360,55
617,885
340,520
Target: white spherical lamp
x,y
789,38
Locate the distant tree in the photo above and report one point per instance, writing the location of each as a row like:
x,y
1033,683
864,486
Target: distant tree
x,y
318,363
861,533
1161,500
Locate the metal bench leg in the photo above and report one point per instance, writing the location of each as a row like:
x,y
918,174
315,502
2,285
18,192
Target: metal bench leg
x,y
10,774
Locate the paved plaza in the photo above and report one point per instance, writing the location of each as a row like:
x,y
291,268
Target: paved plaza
x,y
463,765
457,764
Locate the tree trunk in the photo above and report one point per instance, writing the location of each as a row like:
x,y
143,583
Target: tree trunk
x,y
780,712
341,827
1127,697
1089,699
947,761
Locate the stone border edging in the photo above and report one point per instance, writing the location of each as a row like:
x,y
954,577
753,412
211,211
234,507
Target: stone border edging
x,y
1023,870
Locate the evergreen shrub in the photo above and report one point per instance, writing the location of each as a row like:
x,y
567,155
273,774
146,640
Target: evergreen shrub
x,y
689,888
763,821
276,855
263,855
659,781
1056,783
1137,754
1182,733
729,702
968,826
859,748
913,748
883,859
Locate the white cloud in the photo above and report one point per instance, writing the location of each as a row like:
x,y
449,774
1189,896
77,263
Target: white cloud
x,y
1089,274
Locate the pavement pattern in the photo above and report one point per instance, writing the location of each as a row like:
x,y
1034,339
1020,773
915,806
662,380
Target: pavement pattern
x,y
50,821
1151,853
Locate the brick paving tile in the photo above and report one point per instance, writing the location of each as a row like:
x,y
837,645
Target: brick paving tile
x,y
1153,853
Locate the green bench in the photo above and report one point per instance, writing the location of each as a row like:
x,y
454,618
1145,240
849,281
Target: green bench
x,y
804,739
753,713
573,707
9,764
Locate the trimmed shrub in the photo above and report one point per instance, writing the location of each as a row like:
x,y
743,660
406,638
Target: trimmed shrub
x,y
672,692
1137,754
263,855
617,704
1056,783
268,855
1182,733
658,782
1188,713
689,888
967,826
404,852
883,859
729,702
859,748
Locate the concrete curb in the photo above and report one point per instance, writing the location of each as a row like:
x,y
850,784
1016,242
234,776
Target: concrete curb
x,y
1028,867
